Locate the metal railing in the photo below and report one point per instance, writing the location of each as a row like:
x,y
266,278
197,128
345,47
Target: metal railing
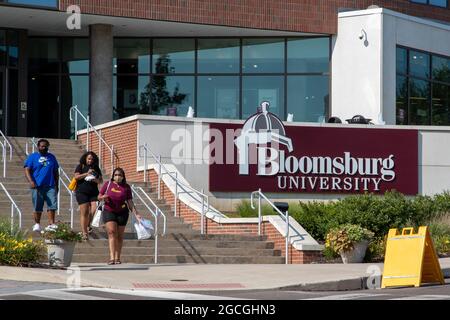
x,y
179,185
14,207
285,216
155,211
62,174
5,145
89,127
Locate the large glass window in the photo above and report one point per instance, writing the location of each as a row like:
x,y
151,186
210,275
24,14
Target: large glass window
x,y
131,56
257,89
218,55
130,95
308,55
3,47
74,91
37,3
75,55
263,56
308,98
172,92
422,88
438,3
218,97
44,55
173,56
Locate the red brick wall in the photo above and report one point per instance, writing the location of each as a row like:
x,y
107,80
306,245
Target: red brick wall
x,y
319,16
124,139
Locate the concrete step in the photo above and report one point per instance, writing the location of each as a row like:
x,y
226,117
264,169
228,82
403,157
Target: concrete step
x,y
140,251
203,259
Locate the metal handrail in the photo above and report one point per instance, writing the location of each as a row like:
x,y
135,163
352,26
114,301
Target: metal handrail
x,y
13,208
6,142
178,183
3,158
155,213
62,173
89,126
285,216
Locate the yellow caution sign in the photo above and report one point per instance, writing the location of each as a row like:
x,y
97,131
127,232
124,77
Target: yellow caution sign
x,y
411,259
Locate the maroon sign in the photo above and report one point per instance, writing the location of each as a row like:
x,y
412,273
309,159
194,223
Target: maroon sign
x,y
300,159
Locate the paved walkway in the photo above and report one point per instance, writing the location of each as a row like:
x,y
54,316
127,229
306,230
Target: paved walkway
x,y
206,277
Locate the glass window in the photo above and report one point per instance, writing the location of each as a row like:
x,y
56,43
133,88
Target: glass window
x,y
13,50
173,56
172,92
308,98
441,69
40,3
256,89
75,56
218,55
419,102
439,3
441,105
218,97
308,55
132,56
131,95
402,100
74,91
419,64
3,47
402,61
44,55
263,56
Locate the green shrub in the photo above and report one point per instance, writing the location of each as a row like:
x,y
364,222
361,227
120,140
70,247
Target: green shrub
x,y
440,233
245,209
343,238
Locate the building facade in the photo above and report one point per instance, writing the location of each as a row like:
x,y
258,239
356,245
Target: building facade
x,y
312,60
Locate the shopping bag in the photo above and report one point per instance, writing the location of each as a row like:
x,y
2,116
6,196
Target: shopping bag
x,y
97,220
144,229
73,184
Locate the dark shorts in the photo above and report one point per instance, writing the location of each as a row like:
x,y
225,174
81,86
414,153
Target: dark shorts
x,y
83,198
120,218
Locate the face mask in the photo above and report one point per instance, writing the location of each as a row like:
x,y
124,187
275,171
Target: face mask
x,y
45,150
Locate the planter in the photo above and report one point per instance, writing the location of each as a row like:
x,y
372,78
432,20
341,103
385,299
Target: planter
x,y
357,254
60,252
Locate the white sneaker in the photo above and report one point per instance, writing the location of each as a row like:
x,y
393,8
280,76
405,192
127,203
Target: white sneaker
x,y
37,227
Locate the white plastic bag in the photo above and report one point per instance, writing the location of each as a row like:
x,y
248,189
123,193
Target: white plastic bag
x,y
97,219
144,229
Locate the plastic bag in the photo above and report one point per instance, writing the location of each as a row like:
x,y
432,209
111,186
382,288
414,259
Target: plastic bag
x,y
97,219
144,229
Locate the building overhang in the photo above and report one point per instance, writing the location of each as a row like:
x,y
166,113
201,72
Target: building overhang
x,y
41,22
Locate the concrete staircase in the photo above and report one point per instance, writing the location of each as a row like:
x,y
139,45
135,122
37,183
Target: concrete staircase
x,y
181,244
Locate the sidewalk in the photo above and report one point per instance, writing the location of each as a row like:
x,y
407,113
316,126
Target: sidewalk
x,y
321,277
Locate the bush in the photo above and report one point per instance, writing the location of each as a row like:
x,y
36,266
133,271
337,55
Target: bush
x,y
440,233
15,250
245,209
343,238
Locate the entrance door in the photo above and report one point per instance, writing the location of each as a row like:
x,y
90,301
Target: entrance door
x,y
2,99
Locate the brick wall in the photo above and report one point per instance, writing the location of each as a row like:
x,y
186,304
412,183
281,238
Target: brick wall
x,y
319,16
124,139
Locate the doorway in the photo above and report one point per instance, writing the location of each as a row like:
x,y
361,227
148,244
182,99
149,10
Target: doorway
x,y
2,98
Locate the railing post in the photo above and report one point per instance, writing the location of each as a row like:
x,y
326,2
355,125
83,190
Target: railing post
x,y
33,144
156,236
159,178
59,191
100,149
76,124
12,218
71,210
87,134
287,237
145,163
4,160
176,194
112,159
259,212
202,220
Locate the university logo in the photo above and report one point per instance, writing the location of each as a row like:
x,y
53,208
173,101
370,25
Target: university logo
x,y
262,128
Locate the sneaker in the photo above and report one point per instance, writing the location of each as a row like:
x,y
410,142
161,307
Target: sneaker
x,y
37,227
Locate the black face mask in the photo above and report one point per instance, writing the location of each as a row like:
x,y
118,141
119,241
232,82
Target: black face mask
x,y
45,150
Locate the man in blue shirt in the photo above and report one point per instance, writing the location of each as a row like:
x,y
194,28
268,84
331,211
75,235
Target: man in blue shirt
x,y
41,171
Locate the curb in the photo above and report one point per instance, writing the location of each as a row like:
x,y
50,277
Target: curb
x,y
359,283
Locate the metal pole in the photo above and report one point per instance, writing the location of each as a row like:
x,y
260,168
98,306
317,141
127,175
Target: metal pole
x,y
100,162
145,164
76,123
59,192
287,237
159,177
176,194
4,160
202,228
33,143
156,236
12,218
71,210
87,134
259,212
112,160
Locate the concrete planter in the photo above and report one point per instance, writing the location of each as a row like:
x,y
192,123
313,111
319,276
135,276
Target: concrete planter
x,y
60,252
357,254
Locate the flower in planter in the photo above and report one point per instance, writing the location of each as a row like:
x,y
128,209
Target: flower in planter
x,y
343,238
61,231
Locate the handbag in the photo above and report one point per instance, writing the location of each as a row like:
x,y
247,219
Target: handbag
x,y
73,184
97,220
